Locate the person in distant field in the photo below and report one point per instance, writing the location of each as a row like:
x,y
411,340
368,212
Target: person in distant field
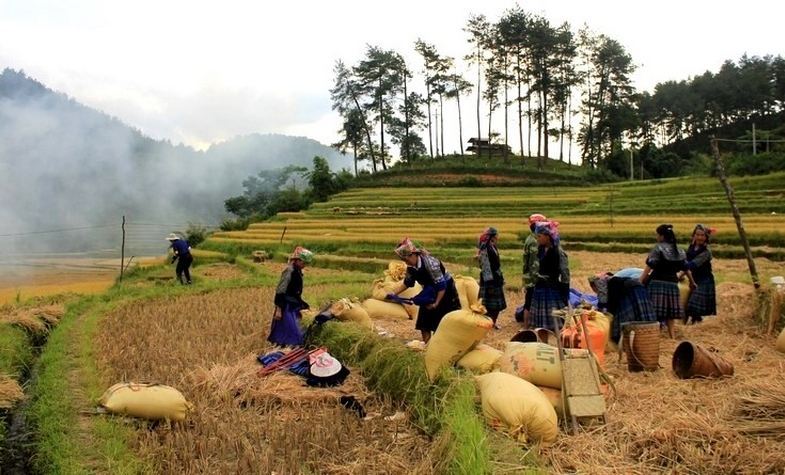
x,y
624,297
491,277
438,286
660,277
703,300
552,284
530,266
285,328
182,254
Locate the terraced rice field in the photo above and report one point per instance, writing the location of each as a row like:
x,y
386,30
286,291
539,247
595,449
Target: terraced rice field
x,y
621,217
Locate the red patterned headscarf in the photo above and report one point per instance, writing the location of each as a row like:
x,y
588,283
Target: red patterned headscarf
x,y
407,247
486,235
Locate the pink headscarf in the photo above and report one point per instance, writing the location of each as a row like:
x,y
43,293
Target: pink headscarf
x,y
550,228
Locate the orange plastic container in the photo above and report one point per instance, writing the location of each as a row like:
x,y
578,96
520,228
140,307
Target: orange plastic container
x,y
573,337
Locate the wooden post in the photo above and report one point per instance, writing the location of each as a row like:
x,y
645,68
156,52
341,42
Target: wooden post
x,y
735,210
122,252
282,235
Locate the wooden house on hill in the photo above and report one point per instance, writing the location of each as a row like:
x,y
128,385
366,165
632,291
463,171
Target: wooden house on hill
x,y
480,146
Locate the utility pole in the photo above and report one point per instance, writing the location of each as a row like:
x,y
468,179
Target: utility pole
x,y
640,159
122,251
754,145
632,173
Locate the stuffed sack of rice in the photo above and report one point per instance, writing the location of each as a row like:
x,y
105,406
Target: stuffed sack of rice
x,y
382,309
481,359
382,287
468,290
537,363
396,271
348,311
148,401
518,407
458,333
684,293
554,397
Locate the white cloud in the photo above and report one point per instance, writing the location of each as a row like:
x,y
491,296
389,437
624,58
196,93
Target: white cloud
x,y
199,71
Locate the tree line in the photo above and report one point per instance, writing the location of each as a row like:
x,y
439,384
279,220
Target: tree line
x,y
527,71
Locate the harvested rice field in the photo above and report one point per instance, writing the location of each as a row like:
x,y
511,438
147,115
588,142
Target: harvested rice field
x,y
203,340
205,345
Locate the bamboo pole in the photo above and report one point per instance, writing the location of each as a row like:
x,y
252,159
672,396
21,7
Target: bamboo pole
x,y
735,210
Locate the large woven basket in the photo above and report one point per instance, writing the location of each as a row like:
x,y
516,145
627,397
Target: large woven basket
x,y
641,341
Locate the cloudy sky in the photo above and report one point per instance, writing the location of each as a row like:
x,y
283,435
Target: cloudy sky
x,y
199,72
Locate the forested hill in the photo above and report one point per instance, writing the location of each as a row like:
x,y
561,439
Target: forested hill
x,y
65,165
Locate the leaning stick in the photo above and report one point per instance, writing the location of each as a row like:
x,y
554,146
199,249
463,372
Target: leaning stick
x,y
735,210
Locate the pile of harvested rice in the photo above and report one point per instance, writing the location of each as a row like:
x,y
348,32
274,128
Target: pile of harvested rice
x,y
36,320
10,392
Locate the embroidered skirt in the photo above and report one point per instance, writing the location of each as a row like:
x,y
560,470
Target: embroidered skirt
x,y
665,301
634,306
544,301
703,300
492,297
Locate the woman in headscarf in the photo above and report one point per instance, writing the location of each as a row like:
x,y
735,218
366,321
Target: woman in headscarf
x,y
663,264
530,267
552,285
285,329
703,300
491,277
438,286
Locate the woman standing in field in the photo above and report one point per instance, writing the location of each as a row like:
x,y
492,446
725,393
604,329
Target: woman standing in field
x,y
491,277
285,329
438,286
552,284
530,267
703,300
660,277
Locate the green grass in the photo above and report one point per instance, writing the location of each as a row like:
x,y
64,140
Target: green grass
x,y
67,365
16,351
445,409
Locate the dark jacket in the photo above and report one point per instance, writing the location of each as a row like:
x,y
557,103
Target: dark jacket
x,y
290,289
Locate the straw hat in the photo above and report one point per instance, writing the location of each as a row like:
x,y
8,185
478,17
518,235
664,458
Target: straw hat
x,y
324,365
172,237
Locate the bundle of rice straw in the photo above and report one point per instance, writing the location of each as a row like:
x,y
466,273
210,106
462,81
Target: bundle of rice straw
x,y
27,320
761,411
51,314
10,392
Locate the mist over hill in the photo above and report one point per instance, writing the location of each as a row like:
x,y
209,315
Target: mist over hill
x,y
64,165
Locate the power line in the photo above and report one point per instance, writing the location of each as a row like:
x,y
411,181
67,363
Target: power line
x,y
50,231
